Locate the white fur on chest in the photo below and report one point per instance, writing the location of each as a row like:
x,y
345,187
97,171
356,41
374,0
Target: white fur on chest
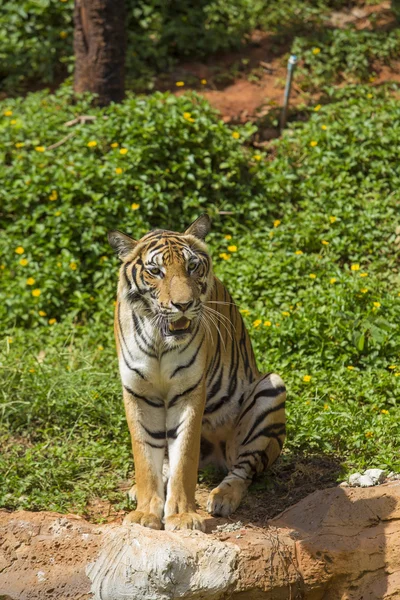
x,y
152,371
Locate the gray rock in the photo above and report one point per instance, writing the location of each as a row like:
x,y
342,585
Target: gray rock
x,y
377,475
354,479
365,481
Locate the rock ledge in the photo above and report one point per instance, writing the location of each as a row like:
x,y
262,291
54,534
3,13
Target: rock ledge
x,y
339,543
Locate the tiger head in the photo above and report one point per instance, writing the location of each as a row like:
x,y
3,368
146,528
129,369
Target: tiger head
x,y
166,277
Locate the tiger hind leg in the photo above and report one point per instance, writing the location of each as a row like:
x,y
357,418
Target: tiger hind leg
x,y
255,444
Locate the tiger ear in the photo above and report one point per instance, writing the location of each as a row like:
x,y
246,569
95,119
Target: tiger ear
x,y
200,227
121,243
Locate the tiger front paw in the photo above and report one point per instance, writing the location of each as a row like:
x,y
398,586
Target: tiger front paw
x,y
187,520
147,519
224,499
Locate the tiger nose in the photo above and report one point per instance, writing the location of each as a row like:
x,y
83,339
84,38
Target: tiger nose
x,y
182,305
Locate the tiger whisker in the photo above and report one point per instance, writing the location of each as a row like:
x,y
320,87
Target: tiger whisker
x,y
215,323
206,328
222,319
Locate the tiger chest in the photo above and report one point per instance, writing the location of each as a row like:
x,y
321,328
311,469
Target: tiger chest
x,y
161,378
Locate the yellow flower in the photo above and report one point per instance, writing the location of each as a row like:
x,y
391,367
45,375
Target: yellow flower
x,y
286,313
36,293
232,248
355,267
57,213
135,206
363,274
31,370
244,311
257,157
325,243
30,281
377,304
118,170
114,145
312,275
123,151
384,411
225,256
307,378
236,135
23,262
100,348
13,121
318,107
187,115
267,323
364,290
370,96
63,35
73,266
58,264
332,219
19,250
53,195
19,145
7,113
350,367
316,50
368,434
42,313
392,367
10,340
228,236
313,143
277,223
324,127
326,406
52,321
257,323
203,81
40,148
397,374
332,280
92,144
179,83
298,252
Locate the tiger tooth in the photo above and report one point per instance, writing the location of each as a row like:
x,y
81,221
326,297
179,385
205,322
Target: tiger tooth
x,y
180,325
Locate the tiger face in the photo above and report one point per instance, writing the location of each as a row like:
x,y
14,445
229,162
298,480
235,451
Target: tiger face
x,y
167,277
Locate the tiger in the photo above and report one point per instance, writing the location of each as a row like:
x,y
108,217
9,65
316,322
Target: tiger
x,y
192,392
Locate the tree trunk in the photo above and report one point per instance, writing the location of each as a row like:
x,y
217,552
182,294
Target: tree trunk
x,y
99,45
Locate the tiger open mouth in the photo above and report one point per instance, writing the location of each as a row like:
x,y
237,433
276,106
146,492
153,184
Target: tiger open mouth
x,y
179,327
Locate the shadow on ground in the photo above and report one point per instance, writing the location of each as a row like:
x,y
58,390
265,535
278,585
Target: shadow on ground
x,y
292,478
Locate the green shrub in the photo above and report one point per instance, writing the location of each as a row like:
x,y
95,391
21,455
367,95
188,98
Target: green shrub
x,y
332,55
58,204
35,42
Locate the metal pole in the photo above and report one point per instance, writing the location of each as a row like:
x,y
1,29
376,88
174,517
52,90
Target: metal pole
x,y
289,77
